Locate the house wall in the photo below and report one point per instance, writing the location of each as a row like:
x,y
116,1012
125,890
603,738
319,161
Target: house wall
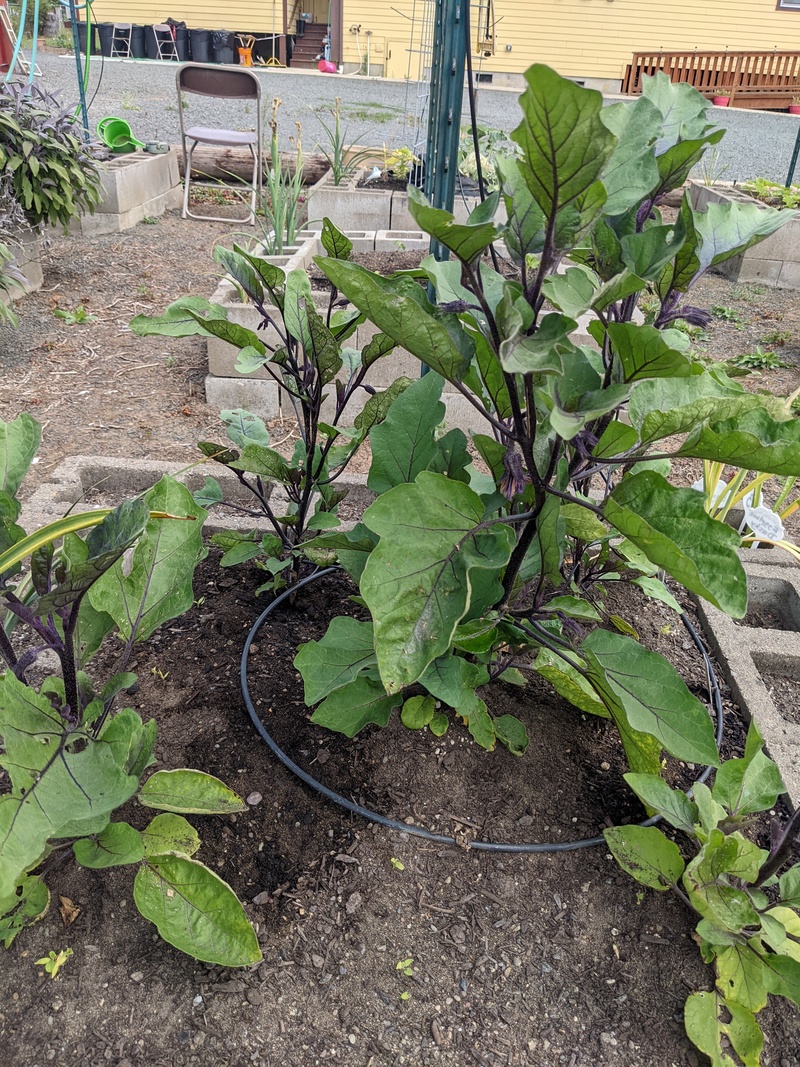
x,y
580,38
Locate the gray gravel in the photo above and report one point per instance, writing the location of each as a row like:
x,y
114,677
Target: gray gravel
x,y
758,143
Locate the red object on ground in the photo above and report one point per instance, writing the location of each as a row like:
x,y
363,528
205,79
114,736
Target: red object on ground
x,y
327,66
6,47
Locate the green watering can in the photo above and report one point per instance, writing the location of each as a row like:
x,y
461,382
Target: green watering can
x,y
116,135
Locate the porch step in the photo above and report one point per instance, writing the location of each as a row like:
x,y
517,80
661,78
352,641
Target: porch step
x,y
309,46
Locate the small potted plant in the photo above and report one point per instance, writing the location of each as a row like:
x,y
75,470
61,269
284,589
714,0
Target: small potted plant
x,y
794,107
720,101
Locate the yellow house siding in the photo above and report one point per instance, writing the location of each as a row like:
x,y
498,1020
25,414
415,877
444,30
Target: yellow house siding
x,y
588,38
580,38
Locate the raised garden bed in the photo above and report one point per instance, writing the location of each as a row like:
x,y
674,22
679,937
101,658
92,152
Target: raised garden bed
x,y
775,261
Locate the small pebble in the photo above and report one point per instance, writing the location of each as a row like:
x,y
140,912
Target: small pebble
x,y
137,976
254,997
197,1001
254,798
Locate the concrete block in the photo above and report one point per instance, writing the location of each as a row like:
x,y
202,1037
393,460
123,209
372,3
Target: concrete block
x,y
401,241
116,479
747,655
107,222
350,208
135,179
746,268
262,398
767,261
26,248
789,277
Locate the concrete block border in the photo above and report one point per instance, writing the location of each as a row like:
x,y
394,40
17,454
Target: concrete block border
x,y
744,653
774,261
747,654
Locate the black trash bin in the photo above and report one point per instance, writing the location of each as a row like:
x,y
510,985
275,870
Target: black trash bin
x,y
201,45
92,37
138,50
182,43
224,46
105,31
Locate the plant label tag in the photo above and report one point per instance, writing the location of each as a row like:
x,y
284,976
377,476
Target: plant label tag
x,y
718,493
764,523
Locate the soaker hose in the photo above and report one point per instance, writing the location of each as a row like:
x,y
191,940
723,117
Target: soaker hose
x,y
418,831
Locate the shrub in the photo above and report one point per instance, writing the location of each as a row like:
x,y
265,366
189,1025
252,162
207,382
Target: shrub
x,y
53,173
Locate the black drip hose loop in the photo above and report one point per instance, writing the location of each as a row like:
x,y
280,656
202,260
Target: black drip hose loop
x,y
418,831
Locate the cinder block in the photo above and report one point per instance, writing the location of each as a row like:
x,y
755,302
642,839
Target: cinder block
x,y
772,260
745,652
790,274
259,397
26,247
106,222
132,180
401,241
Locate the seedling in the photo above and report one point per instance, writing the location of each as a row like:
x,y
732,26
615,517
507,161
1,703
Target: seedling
x,y
77,316
731,315
53,962
759,360
748,935
777,337
406,967
398,866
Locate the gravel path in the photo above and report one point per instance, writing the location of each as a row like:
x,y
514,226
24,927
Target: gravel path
x,y
758,143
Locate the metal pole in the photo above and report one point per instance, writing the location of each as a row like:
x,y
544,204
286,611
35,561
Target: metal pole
x,y
793,164
73,17
444,118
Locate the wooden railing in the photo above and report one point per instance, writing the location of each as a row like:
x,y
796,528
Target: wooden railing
x,y
749,79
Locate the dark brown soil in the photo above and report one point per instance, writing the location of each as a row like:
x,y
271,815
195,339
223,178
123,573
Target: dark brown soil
x,y
546,960
785,693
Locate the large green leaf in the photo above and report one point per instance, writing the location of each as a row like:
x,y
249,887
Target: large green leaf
x,y
417,581
465,241
453,680
346,650
646,854
655,698
741,977
194,910
400,309
631,172
19,443
727,229
58,778
159,585
672,804
684,111
665,406
241,270
403,444
298,297
705,1020
117,845
569,683
674,531
746,786
709,880
643,353
185,317
541,353
104,545
189,792
565,142
753,441
356,705
527,224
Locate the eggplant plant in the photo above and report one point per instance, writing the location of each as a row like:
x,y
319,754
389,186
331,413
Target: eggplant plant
x,y
748,898
477,571
69,758
306,352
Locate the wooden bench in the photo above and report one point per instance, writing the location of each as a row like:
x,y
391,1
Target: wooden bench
x,y
749,79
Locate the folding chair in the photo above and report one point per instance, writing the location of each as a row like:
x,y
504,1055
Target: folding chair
x,y
227,83
165,42
121,40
